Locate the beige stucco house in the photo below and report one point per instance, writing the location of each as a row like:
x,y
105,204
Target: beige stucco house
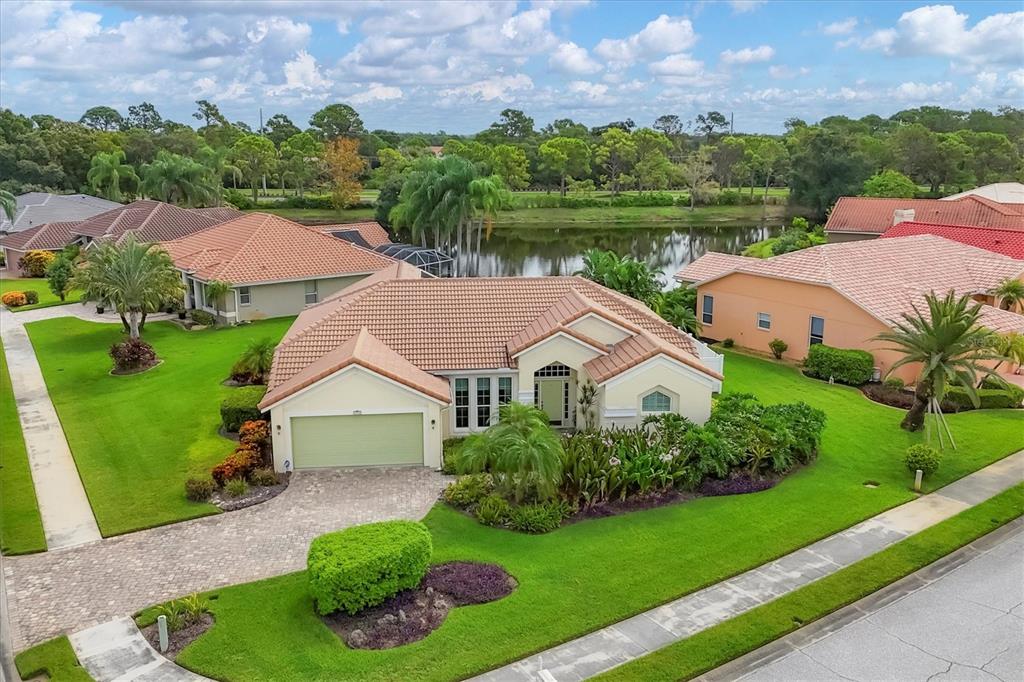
x,y
275,267
383,372
843,294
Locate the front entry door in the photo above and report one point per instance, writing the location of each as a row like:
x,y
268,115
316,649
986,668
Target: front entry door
x,y
552,400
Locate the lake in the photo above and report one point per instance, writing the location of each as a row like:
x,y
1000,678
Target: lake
x,y
558,249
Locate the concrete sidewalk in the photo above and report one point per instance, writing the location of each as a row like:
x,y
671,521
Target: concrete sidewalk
x,y
634,637
117,651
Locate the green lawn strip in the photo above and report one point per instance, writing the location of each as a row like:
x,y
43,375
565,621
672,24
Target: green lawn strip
x,y
321,215
136,438
639,216
722,643
46,297
55,658
594,573
21,529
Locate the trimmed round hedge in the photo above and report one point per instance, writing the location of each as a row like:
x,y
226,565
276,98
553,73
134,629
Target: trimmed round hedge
x,y
363,566
845,365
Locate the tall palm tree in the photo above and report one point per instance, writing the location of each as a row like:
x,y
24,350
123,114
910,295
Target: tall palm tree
x,y
219,163
948,343
179,180
1009,293
108,172
215,291
9,203
134,277
488,195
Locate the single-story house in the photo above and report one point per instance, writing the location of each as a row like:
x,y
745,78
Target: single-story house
x,y
843,294
372,235
383,372
859,218
275,267
33,209
46,237
1007,242
369,234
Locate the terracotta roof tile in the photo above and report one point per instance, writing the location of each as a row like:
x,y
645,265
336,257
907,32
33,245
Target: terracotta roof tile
x,y
259,247
1007,242
635,350
48,237
153,221
370,232
875,215
711,264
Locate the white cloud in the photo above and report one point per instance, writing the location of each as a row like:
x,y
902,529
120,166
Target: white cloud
x,y
302,76
571,58
502,88
377,92
683,69
917,92
744,6
748,55
782,72
523,34
840,28
664,35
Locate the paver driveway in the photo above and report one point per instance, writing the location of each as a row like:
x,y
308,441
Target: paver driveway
x,y
70,589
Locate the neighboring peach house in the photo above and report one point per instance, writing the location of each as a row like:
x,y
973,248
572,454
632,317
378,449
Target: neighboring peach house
x,y
1007,242
859,218
275,267
843,294
383,372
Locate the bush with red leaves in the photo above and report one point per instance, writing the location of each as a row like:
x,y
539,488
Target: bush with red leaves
x,y
132,354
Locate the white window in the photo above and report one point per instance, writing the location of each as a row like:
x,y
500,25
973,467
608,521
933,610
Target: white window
x,y
483,401
478,398
656,402
311,295
817,330
764,321
504,390
462,403
244,296
707,309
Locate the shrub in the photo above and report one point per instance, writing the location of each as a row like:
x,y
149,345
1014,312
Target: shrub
x,y
924,458
845,365
468,490
34,263
199,489
469,583
254,364
239,200
238,464
988,398
236,487
241,406
203,318
728,343
538,518
264,476
493,510
181,613
132,354
362,566
255,433
778,347
894,383
450,455
13,299
31,297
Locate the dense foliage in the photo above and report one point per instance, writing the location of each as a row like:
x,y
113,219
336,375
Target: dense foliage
x,y
241,406
362,566
34,263
923,458
132,354
845,365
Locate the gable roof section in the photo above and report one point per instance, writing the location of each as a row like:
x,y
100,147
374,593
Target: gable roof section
x,y
560,316
1003,192
365,350
1006,242
370,233
39,208
635,350
48,237
259,247
887,277
152,221
711,264
874,215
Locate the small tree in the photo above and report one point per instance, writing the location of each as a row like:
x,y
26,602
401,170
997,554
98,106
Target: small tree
x,y
890,183
216,290
58,275
346,166
1009,293
778,347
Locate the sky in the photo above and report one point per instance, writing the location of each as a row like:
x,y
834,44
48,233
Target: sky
x,y
453,66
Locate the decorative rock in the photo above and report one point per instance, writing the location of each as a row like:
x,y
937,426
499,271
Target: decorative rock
x,y
357,638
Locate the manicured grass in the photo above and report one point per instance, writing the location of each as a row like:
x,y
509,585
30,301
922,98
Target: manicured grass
x,y
21,530
718,645
54,658
590,574
46,297
640,216
320,215
137,438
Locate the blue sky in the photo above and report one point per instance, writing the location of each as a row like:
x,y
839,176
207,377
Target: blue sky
x,y
454,65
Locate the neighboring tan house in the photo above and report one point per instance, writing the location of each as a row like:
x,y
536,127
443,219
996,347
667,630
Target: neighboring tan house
x,y
1006,242
1003,192
843,295
276,267
859,218
383,372
38,208
47,237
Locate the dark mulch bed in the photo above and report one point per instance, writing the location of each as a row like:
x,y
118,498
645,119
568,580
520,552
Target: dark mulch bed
x,y
736,484
231,382
179,639
232,435
256,495
899,397
411,615
134,370
631,504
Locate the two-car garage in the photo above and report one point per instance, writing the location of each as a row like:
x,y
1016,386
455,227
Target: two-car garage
x,y
357,440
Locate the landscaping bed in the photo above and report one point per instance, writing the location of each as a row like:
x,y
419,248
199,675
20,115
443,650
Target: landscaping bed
x,y
256,494
956,399
177,640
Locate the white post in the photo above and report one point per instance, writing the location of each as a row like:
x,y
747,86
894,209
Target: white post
x,y
917,480
161,624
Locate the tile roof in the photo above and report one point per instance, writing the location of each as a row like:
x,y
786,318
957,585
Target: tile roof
x,y
1007,242
464,323
886,277
371,233
875,215
711,264
259,247
152,221
38,208
633,351
1003,192
47,237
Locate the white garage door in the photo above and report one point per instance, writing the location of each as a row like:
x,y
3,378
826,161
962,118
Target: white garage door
x,y
357,440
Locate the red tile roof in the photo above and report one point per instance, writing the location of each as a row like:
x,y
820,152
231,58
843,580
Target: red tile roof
x,y
874,215
259,247
371,232
46,237
1007,242
152,221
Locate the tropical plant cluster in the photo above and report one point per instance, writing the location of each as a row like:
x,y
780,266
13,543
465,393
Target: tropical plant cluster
x,y
250,454
362,566
34,263
845,365
253,366
184,612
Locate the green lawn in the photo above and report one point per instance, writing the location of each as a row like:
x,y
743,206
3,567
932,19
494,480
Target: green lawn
x,y
55,659
46,297
594,573
21,530
639,216
137,438
320,215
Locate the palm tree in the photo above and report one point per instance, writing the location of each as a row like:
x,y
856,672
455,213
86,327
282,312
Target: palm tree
x,y
215,291
255,362
108,172
217,160
1009,293
1008,347
179,180
949,345
9,203
136,278
626,275
521,452
488,196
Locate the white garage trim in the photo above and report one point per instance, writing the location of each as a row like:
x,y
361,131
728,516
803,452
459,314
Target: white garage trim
x,y
345,370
